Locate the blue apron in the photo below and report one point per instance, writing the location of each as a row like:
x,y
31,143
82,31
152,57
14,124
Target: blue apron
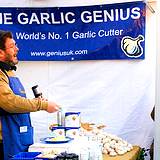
x,y
17,131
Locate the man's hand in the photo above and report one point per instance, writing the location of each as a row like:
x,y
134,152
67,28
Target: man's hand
x,y
52,107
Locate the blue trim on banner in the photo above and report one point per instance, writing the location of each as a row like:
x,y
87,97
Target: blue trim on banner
x,y
112,31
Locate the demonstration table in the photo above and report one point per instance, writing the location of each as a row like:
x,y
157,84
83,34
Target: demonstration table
x,y
132,155
40,147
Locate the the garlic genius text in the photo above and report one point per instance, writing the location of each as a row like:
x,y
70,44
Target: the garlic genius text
x,y
96,16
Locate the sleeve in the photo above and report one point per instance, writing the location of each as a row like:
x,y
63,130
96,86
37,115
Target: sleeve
x,y
16,104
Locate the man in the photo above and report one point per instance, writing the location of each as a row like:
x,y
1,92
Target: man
x,y
16,132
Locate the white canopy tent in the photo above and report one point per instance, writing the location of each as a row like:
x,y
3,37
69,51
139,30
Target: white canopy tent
x,y
117,93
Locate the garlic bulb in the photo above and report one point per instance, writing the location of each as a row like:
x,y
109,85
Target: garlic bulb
x,y
113,153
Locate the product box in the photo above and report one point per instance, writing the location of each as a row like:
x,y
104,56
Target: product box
x,y
72,119
72,132
58,131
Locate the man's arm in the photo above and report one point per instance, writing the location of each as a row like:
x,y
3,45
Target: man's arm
x,y
12,103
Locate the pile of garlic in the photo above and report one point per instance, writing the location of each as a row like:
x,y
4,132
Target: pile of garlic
x,y
111,144
114,145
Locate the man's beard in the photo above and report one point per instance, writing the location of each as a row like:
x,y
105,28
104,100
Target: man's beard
x,y
12,63
8,61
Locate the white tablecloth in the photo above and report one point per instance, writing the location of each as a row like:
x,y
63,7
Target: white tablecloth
x,y
81,146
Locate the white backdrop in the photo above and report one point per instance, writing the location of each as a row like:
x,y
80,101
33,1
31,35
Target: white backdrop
x,y
117,93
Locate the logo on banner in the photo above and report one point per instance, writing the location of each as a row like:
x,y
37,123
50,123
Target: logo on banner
x,y
131,46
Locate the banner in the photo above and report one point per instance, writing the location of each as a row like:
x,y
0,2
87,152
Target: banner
x,y
112,31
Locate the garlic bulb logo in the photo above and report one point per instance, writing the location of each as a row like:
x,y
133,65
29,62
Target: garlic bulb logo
x,y
131,46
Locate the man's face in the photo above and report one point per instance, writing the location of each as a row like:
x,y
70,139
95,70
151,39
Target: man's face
x,y
10,52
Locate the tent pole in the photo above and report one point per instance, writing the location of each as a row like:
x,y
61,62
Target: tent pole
x,y
149,6
157,93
